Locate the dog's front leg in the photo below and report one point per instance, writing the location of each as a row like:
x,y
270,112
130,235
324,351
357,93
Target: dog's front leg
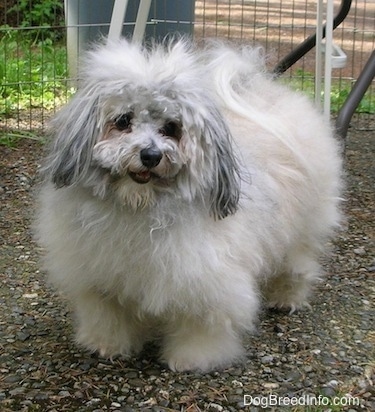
x,y
106,326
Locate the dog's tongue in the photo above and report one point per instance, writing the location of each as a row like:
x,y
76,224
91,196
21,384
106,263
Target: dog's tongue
x,y
144,175
141,177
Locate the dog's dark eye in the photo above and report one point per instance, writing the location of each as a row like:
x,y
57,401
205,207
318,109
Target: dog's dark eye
x,y
171,129
123,122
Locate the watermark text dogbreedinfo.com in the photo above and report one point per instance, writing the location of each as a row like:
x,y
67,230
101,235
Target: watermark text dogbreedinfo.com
x,y
303,400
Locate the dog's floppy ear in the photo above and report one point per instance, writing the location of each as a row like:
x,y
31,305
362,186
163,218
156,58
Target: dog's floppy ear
x,y
75,131
226,188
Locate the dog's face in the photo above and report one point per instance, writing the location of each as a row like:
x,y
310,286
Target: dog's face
x,y
142,142
142,124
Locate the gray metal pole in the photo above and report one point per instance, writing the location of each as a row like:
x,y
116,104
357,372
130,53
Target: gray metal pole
x,y
355,96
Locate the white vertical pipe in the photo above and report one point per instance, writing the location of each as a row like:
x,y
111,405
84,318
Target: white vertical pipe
x,y
117,20
72,40
318,53
328,60
141,21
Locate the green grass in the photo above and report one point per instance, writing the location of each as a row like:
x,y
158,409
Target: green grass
x,y
32,74
340,89
12,138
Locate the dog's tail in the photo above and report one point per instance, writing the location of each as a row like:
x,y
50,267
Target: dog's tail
x,y
243,86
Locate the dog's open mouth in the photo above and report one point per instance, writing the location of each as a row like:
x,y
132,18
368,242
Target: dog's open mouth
x,y
141,177
147,176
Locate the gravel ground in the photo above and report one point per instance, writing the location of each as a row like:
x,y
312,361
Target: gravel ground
x,y
325,353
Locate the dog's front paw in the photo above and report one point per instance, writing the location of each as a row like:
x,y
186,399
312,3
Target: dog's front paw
x,y
108,345
199,352
105,347
187,359
190,358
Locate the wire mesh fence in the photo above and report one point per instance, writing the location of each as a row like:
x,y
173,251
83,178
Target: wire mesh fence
x,y
36,78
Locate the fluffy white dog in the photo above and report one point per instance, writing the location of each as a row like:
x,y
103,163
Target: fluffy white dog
x,y
182,186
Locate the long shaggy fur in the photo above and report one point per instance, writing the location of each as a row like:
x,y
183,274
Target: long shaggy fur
x,y
182,186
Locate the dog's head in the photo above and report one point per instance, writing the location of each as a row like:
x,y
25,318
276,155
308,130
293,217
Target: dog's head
x,y
145,122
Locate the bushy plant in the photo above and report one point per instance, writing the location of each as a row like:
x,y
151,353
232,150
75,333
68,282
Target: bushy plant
x,y
41,14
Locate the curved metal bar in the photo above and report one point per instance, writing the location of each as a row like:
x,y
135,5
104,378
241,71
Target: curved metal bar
x,y
310,42
355,96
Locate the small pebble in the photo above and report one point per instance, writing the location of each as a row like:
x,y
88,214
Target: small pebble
x,y
270,385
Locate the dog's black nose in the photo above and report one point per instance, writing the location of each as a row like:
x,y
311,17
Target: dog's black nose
x,y
150,157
